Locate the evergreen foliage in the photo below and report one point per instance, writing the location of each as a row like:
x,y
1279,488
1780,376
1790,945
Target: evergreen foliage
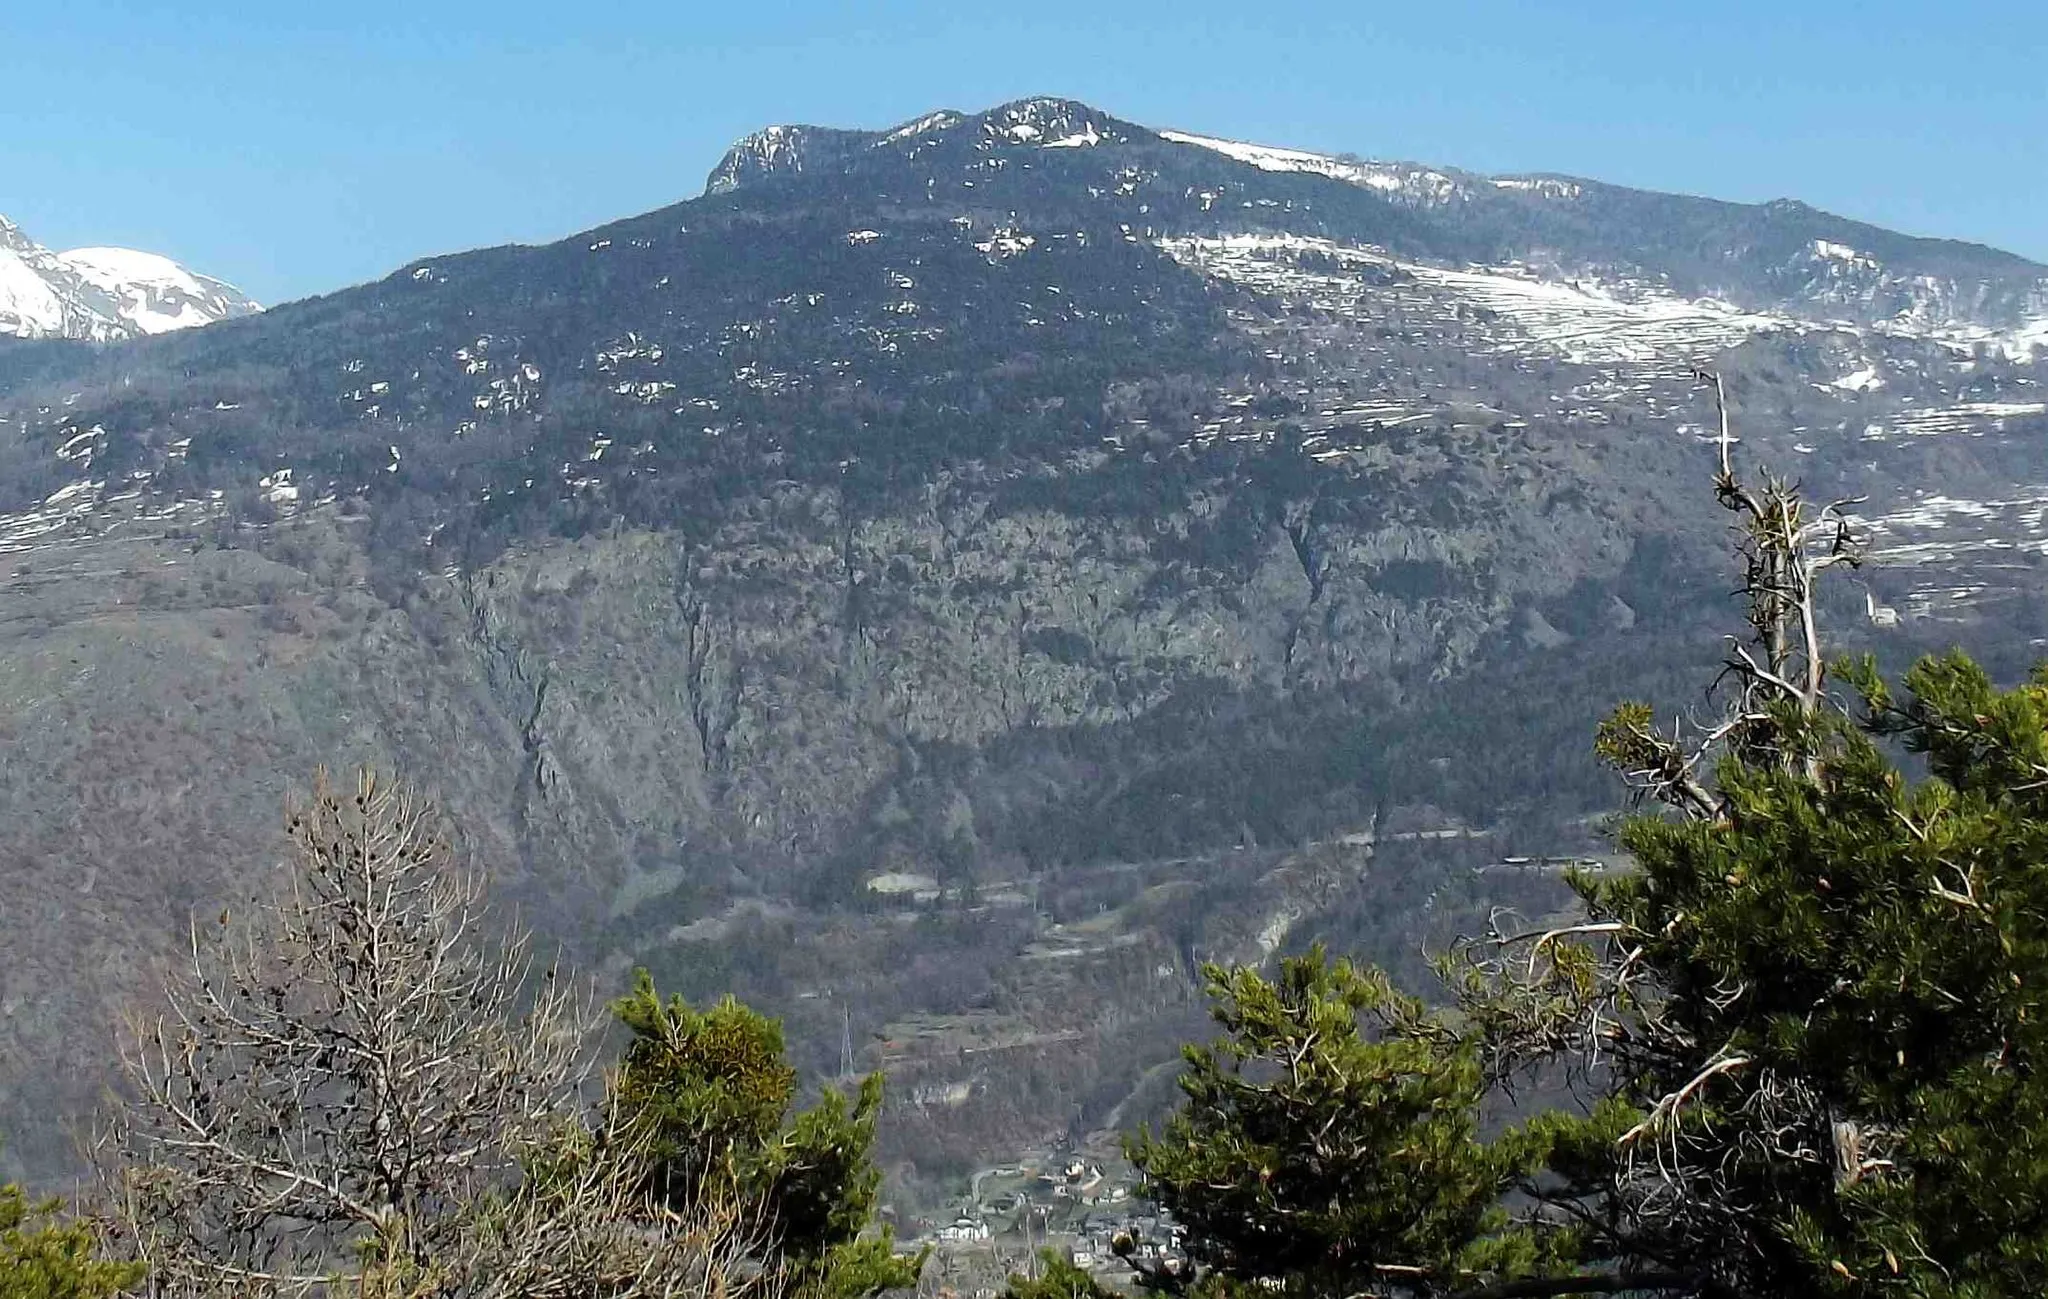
x,y
1857,959
711,1091
1058,1278
44,1255
1335,1126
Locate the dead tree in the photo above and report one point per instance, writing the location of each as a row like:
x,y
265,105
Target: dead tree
x,y
1581,997
589,1223
1779,669
339,1081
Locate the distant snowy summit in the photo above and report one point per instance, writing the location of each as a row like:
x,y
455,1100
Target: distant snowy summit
x,y
104,294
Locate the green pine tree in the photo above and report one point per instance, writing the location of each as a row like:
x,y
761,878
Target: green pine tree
x,y
1330,1139
711,1092
47,1255
1849,966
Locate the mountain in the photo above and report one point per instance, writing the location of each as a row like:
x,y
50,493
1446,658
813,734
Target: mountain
x,y
1781,255
102,294
943,583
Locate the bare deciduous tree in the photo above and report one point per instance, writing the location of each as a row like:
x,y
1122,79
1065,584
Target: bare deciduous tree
x,y
341,1082
589,1224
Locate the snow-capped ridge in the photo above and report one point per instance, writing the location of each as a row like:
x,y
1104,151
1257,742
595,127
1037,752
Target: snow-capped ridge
x,y
154,293
12,238
942,120
1562,188
1784,256
104,294
1409,182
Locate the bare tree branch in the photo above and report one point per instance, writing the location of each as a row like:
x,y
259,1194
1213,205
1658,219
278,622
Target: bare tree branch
x,y
345,1075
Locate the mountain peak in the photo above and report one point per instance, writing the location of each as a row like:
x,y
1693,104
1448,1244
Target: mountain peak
x,y
154,293
104,294
780,152
1050,121
774,152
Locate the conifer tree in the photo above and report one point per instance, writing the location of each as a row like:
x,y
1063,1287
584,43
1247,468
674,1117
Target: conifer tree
x,y
1058,1278
1330,1136
1803,1035
45,1254
710,1092
1818,986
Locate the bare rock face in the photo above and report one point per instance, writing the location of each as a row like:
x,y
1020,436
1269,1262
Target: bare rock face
x,y
776,152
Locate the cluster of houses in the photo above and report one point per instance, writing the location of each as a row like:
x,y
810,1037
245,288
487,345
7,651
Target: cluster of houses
x,y
1071,1204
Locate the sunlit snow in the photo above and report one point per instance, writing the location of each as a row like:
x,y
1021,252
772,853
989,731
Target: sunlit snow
x,y
1582,321
1547,186
102,294
1865,380
1414,182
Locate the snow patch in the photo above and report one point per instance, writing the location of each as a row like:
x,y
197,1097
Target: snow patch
x,y
938,121
1584,321
1865,380
1086,137
278,488
1543,186
1967,419
1006,242
1421,184
1826,250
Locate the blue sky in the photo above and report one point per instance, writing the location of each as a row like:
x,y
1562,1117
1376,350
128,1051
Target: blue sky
x,y
296,147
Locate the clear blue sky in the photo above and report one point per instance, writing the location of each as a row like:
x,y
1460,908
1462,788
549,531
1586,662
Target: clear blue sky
x,y
297,147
